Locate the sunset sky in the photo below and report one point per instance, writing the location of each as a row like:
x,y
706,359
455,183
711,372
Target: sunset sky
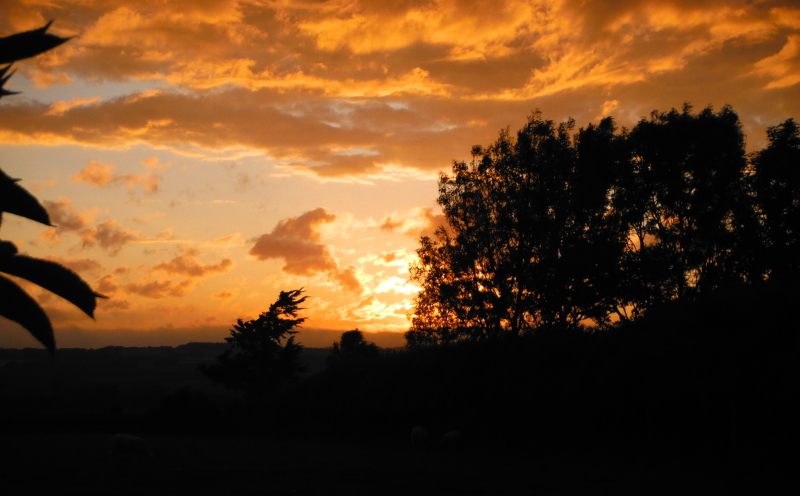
x,y
199,156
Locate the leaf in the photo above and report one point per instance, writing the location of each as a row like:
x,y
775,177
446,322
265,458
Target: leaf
x,y
53,277
16,305
28,44
3,80
16,200
7,249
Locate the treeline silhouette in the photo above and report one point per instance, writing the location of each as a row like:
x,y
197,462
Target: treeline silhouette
x,y
708,384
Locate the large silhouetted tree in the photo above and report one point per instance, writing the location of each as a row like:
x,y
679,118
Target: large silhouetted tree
x,y
529,241
557,230
264,355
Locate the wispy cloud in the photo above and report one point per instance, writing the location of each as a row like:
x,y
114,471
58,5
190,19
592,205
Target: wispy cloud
x,y
98,175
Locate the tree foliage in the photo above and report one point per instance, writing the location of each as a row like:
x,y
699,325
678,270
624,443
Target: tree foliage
x,y
352,347
15,303
776,182
264,355
560,229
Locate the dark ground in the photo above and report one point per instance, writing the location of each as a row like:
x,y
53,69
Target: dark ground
x,y
78,463
699,399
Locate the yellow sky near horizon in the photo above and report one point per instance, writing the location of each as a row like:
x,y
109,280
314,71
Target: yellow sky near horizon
x,y
200,156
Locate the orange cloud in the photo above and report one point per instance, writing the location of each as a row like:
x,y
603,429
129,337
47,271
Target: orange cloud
x,y
111,304
399,259
109,235
98,175
234,239
154,164
188,265
783,67
416,222
76,264
348,278
370,308
146,220
58,108
400,83
65,218
37,186
157,290
297,241
106,285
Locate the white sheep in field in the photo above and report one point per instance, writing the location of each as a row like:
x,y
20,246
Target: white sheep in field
x,y
125,446
451,440
419,436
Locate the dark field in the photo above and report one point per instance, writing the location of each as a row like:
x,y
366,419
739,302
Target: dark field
x,y
115,387
695,399
78,463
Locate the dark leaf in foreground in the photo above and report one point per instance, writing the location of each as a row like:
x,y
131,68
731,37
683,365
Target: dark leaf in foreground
x,y
28,44
53,277
16,200
4,79
16,305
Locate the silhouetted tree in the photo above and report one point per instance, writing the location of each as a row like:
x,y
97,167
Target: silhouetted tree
x,y
776,181
687,206
15,303
529,241
552,230
264,355
352,347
